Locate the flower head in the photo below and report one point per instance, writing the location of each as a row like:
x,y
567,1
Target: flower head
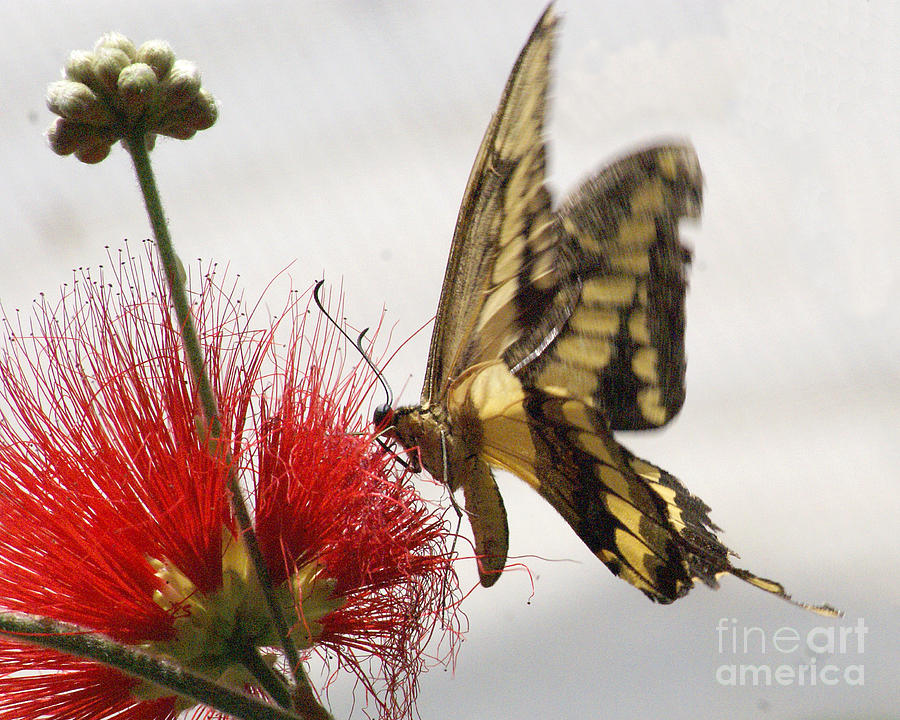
x,y
359,553
114,510
119,89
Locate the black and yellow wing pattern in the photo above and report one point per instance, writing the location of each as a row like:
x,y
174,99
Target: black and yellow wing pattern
x,y
557,326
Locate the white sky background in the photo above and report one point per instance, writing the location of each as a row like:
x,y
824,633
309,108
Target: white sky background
x,y
346,134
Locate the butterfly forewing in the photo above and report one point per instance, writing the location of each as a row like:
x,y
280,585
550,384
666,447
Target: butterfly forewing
x,y
619,272
504,204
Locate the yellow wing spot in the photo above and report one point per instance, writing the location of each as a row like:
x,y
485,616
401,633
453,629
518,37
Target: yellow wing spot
x,y
651,408
609,291
636,231
543,272
638,555
576,415
508,262
623,512
521,189
653,474
543,232
645,470
595,321
595,446
673,511
491,389
643,364
606,555
512,229
763,584
637,327
614,480
586,240
576,381
498,331
522,136
636,263
502,296
576,350
625,572
668,163
648,198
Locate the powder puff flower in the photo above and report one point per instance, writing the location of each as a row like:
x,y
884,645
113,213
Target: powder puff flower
x,y
115,514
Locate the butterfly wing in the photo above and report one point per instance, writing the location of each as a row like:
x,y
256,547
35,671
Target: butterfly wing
x,y
645,526
517,270
504,207
605,301
639,520
505,204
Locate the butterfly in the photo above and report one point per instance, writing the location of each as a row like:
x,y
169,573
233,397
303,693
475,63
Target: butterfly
x,y
556,327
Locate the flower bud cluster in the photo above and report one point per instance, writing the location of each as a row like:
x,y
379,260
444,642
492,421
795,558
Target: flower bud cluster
x,y
119,91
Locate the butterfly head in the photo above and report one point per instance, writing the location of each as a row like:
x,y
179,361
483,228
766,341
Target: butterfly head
x,y
382,417
401,425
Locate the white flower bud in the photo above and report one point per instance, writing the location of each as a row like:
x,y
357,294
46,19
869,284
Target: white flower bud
x,y
179,131
117,41
67,136
136,85
80,67
199,114
158,55
119,90
64,137
206,111
108,63
93,152
180,85
75,101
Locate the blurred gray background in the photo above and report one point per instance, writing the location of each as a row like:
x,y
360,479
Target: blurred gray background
x,y
346,134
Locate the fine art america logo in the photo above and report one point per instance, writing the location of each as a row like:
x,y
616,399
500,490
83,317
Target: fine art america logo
x,y
818,656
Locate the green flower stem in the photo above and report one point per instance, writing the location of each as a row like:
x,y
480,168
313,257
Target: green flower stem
x,y
175,280
141,159
269,680
74,640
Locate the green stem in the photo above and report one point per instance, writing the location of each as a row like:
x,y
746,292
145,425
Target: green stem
x,y
74,640
269,680
175,279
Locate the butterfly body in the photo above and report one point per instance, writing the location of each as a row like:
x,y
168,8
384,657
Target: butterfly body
x,y
448,443
556,327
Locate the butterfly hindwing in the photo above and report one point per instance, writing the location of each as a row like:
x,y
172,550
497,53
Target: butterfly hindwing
x,y
638,519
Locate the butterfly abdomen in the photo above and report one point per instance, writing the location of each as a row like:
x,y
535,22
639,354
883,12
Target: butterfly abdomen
x,y
449,447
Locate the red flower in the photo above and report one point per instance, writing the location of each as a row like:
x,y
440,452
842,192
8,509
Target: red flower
x,y
114,509
364,553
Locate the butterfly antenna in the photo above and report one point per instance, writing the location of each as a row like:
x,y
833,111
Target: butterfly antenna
x,y
389,396
383,411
